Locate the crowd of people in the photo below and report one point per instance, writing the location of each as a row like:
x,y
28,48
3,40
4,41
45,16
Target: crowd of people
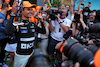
x,y
44,27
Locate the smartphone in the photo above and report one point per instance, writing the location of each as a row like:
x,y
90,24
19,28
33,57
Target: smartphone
x,y
82,4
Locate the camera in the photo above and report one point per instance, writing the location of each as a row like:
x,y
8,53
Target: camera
x,y
52,12
82,4
39,59
76,17
93,28
79,53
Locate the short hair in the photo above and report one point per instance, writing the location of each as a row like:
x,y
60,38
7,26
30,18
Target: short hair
x,y
64,8
4,5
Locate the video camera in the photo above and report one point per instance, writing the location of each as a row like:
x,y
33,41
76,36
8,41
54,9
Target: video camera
x,y
79,53
52,12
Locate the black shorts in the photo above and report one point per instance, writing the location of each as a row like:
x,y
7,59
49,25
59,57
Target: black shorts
x,y
52,44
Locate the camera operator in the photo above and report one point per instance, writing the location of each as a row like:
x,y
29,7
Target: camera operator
x,y
78,24
69,8
91,32
25,33
66,62
95,21
58,28
44,37
76,52
93,27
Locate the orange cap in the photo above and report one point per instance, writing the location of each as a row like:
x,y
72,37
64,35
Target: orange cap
x,y
34,4
97,59
38,8
27,4
33,9
7,0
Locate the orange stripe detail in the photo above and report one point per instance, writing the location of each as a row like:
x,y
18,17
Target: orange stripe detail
x,y
61,49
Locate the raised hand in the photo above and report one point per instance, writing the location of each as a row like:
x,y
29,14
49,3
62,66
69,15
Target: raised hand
x,y
14,8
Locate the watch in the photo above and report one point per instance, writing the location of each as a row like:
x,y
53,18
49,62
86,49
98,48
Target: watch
x,y
60,22
49,19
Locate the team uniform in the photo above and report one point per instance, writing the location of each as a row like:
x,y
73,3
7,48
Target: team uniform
x,y
25,39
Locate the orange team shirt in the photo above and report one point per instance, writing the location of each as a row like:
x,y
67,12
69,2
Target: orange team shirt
x,y
0,7
32,19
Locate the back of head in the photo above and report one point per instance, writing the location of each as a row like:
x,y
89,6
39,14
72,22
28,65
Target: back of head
x,y
4,5
86,9
98,15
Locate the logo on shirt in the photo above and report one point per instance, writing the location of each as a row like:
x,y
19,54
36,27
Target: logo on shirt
x,y
27,46
24,30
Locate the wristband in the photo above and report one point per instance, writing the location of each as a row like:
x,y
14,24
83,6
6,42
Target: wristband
x,y
12,14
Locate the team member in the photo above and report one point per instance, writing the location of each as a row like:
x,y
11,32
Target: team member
x,y
25,34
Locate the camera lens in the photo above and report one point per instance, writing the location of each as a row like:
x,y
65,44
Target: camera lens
x,y
92,48
39,59
76,52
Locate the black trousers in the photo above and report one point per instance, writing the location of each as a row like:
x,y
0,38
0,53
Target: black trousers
x,y
3,43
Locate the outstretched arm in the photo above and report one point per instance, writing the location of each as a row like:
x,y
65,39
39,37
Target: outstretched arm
x,y
62,3
9,29
79,5
71,6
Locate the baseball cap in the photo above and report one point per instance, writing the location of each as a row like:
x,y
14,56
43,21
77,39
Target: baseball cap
x,y
27,4
38,8
7,0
